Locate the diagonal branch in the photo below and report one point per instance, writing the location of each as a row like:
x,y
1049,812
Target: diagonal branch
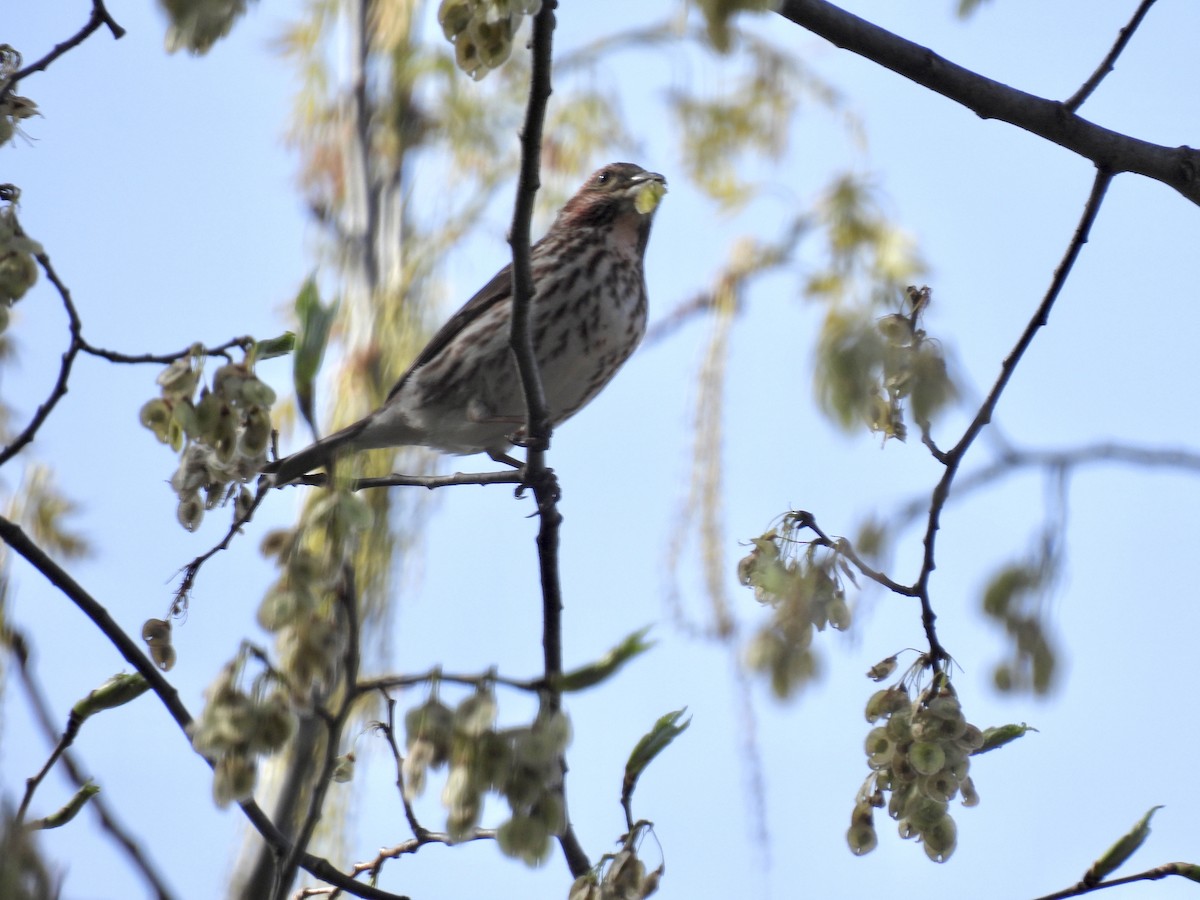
x,y
1110,60
1190,871
1176,167
953,457
100,16
64,372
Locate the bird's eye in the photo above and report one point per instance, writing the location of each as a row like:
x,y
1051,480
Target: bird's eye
x,y
601,178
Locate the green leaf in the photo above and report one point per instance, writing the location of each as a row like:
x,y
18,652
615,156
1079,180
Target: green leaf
x,y
1120,851
999,735
315,323
276,346
653,742
593,673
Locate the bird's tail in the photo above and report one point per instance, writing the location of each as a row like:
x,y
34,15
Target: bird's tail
x,y
320,453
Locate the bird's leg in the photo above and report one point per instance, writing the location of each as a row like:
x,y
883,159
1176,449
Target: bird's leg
x,y
504,459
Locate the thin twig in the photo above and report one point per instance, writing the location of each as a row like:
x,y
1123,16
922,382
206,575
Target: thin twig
x,y
954,456
1109,62
1066,460
1186,870
64,372
244,343
192,569
320,479
388,682
60,747
389,732
842,546
99,16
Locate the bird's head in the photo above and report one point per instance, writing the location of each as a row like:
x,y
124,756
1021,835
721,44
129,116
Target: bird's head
x,y
620,195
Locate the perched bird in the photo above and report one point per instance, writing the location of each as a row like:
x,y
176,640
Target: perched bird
x,y
462,394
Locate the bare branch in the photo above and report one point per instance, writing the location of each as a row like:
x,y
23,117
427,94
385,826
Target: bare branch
x,y
954,457
99,16
1187,870
1176,167
320,479
1065,460
245,343
64,372
1109,62
537,432
192,569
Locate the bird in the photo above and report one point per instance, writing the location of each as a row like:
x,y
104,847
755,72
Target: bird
x,y
463,395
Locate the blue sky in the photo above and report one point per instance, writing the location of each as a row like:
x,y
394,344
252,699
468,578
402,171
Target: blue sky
x,y
163,192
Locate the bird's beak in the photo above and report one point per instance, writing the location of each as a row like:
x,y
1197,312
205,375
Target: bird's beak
x,y
647,190
649,176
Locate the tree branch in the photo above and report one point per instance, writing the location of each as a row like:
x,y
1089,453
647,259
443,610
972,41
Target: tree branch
x,y
1187,870
537,431
320,479
1109,62
954,456
1176,167
64,372
100,16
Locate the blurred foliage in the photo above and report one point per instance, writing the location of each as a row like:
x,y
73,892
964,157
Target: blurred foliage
x,y
968,8
1014,599
23,873
38,506
717,14
869,368
195,25
803,586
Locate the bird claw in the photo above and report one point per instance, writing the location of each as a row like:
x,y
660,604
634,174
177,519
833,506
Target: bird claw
x,y
544,485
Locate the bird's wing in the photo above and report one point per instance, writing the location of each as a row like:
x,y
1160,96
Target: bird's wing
x,y
485,298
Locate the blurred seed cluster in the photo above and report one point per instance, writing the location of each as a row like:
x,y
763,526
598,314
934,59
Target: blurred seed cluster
x,y
237,727
801,583
521,764
482,31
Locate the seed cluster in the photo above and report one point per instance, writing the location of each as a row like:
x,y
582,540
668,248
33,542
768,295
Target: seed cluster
x,y
236,728
805,593
482,31
920,753
224,433
521,764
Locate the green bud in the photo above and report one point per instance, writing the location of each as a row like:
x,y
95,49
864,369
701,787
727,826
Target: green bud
x,y
69,810
117,691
